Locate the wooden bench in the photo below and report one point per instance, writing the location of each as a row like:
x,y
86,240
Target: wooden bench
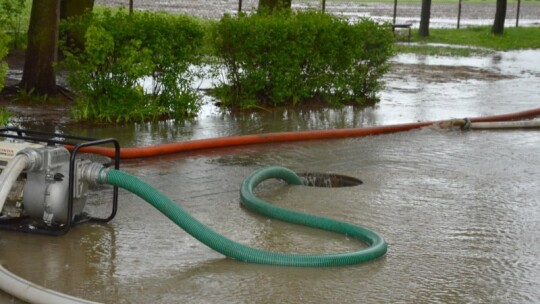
x,y
406,26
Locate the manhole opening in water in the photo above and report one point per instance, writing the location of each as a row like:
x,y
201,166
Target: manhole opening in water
x,y
328,180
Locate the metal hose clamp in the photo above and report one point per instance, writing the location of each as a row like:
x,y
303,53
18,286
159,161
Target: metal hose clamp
x,y
467,125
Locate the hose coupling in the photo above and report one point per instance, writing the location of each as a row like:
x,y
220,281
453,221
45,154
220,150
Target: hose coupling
x,y
94,173
35,159
467,124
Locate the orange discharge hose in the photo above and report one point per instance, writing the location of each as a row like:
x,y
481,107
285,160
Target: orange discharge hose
x,y
230,141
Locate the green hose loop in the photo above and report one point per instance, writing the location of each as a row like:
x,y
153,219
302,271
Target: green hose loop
x,y
241,252
378,246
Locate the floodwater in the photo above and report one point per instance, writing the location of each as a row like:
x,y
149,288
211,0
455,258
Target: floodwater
x,y
442,14
459,210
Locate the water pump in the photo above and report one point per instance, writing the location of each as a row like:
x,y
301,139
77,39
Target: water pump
x,y
43,188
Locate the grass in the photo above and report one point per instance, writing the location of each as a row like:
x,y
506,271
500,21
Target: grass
x,y
4,116
479,41
512,39
434,50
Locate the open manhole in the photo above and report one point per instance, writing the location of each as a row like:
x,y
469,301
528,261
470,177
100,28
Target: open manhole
x,y
328,180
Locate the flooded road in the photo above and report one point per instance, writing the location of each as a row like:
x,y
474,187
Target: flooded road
x,y
459,210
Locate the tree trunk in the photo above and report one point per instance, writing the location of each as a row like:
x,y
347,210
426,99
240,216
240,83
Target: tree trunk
x,y
500,15
395,12
272,5
38,74
425,15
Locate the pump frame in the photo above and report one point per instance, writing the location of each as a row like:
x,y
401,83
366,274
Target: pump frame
x,y
75,143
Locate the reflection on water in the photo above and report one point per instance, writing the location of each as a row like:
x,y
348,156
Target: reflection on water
x,y
419,88
459,210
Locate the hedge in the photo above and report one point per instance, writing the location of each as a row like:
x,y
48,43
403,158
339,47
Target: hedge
x,y
293,57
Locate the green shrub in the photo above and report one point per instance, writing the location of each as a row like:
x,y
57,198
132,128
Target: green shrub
x,y
4,40
14,18
121,52
290,57
5,115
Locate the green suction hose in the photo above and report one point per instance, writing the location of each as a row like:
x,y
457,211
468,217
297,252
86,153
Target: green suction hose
x,y
229,248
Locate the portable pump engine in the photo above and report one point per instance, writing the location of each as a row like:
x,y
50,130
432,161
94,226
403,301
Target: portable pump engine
x,y
43,188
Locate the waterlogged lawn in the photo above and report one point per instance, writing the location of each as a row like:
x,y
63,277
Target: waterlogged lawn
x,y
512,39
438,50
477,41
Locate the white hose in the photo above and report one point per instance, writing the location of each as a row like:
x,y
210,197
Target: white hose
x,y
10,174
32,293
506,124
